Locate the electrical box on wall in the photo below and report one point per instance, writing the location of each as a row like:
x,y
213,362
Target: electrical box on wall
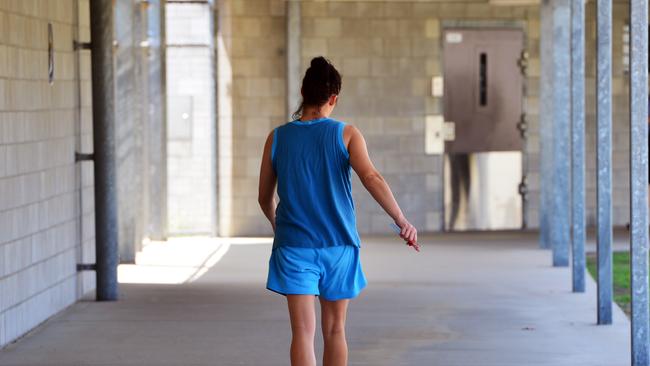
x,y
434,143
437,131
437,86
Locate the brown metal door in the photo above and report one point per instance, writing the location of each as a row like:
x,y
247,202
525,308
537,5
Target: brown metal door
x,y
483,89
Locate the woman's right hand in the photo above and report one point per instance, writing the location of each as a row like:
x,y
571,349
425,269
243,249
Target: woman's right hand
x,y
408,232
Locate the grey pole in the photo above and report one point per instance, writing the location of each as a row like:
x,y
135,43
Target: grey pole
x,y
157,172
561,166
578,143
604,159
293,55
545,122
101,33
639,181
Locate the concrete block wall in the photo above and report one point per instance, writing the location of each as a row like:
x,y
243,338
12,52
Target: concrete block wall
x,y
387,52
46,199
254,32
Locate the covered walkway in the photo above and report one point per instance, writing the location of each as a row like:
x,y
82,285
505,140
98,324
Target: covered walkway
x,y
488,299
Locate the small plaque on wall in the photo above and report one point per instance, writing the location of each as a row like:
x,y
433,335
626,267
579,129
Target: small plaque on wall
x,y
454,37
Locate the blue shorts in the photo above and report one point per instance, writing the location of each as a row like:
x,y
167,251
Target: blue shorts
x,y
333,273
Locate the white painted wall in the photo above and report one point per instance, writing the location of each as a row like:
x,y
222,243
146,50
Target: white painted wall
x,y
46,199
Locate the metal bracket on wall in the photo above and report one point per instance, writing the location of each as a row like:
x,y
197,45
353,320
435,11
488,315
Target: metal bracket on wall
x,y
83,157
76,45
522,126
86,267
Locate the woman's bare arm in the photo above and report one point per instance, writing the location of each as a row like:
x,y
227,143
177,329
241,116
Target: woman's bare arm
x,y
268,181
375,183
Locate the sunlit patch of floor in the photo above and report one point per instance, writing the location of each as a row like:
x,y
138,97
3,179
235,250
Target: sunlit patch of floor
x,y
179,260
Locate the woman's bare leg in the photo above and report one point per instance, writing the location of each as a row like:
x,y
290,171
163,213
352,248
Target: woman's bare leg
x,y
303,329
333,315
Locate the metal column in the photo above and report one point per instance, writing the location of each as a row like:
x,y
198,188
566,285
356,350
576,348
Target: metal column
x,y
293,55
578,143
545,122
561,166
214,128
101,32
639,181
604,159
157,128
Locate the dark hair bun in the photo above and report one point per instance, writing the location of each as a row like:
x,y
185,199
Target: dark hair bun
x,y
321,81
319,62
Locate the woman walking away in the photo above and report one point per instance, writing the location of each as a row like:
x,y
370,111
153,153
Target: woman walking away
x,y
316,244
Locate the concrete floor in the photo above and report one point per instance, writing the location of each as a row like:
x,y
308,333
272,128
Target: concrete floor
x,y
467,299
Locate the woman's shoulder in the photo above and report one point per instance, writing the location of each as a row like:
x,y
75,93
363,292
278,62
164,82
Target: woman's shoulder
x,y
349,130
336,121
283,126
340,125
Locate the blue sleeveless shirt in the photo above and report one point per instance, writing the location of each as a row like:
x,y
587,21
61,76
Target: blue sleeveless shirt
x,y
312,166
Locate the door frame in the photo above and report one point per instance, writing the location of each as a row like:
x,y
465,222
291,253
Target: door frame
x,y
519,25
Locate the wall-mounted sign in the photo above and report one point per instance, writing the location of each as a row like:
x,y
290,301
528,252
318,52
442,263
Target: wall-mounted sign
x,y
454,37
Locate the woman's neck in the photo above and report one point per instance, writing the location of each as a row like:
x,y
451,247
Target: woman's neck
x,y
312,113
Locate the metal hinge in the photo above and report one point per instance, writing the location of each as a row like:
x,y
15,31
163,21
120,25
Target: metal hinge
x,y
522,62
523,188
522,126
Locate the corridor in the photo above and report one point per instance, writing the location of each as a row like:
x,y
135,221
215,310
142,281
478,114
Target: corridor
x,y
488,299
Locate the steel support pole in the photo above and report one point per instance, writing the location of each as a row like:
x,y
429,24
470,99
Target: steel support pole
x,y
578,144
604,159
101,33
293,55
157,128
639,181
561,164
215,17
545,122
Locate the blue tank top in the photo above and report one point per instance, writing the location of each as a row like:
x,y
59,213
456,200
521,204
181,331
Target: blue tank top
x,y
312,166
